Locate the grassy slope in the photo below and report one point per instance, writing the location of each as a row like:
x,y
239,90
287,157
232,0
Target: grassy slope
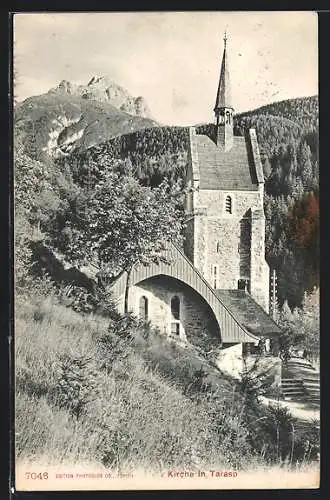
x,y
140,406
133,408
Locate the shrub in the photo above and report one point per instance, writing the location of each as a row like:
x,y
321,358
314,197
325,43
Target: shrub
x,y
78,384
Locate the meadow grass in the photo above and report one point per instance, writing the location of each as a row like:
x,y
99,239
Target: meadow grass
x,y
85,394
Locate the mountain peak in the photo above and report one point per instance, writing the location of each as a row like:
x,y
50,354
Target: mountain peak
x,y
103,89
102,81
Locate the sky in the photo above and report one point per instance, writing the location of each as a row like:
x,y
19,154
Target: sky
x,y
172,59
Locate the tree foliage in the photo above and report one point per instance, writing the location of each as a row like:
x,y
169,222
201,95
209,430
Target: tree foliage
x,y
302,325
118,224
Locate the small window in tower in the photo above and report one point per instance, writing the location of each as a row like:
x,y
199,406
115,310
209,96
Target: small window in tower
x,y
218,247
241,284
189,201
228,205
143,308
215,275
244,284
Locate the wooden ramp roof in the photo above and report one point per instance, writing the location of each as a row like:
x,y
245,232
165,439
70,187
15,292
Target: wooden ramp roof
x,y
182,269
254,319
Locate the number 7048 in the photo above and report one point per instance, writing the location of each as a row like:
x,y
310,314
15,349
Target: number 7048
x,y
36,475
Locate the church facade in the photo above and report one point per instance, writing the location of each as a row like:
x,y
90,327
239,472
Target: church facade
x,y
216,290
226,232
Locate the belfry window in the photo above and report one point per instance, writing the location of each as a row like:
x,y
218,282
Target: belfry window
x,y
228,205
221,118
143,308
175,316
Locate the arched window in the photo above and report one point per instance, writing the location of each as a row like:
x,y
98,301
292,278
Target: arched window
x,y
228,205
221,117
143,308
175,307
227,117
175,316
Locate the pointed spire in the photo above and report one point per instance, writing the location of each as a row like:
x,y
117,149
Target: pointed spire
x,y
224,109
223,99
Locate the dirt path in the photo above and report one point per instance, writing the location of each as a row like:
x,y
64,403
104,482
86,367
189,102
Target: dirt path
x,y
300,410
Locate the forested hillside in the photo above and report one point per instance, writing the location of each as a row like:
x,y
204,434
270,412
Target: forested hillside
x,y
288,138
303,111
153,153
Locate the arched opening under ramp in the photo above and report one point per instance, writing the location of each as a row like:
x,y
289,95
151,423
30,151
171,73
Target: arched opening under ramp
x,y
177,309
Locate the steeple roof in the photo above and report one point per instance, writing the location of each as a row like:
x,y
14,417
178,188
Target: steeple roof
x,y
223,99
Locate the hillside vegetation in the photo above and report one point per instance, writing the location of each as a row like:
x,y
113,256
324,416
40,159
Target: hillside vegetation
x,y
114,392
96,386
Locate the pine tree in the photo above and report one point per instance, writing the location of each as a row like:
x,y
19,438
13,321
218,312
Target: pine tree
x,y
267,168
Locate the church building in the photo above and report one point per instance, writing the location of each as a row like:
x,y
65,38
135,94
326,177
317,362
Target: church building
x,y
216,290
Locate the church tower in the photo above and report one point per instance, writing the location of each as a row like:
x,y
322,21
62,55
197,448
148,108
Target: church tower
x,y
223,108
225,233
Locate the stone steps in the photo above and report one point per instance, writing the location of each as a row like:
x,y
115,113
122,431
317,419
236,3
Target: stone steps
x,y
307,390
292,388
300,380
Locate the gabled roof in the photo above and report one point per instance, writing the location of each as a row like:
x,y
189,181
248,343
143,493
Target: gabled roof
x,y
254,319
227,170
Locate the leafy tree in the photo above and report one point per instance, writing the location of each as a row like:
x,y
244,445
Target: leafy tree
x,y
120,225
309,322
301,326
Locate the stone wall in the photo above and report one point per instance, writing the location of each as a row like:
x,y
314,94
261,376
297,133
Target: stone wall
x,y
234,242
231,361
197,322
223,239
259,287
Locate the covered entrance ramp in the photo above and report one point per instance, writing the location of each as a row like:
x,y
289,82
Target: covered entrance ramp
x,y
188,279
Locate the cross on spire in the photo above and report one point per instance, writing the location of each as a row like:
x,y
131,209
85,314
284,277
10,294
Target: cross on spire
x,y
225,38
